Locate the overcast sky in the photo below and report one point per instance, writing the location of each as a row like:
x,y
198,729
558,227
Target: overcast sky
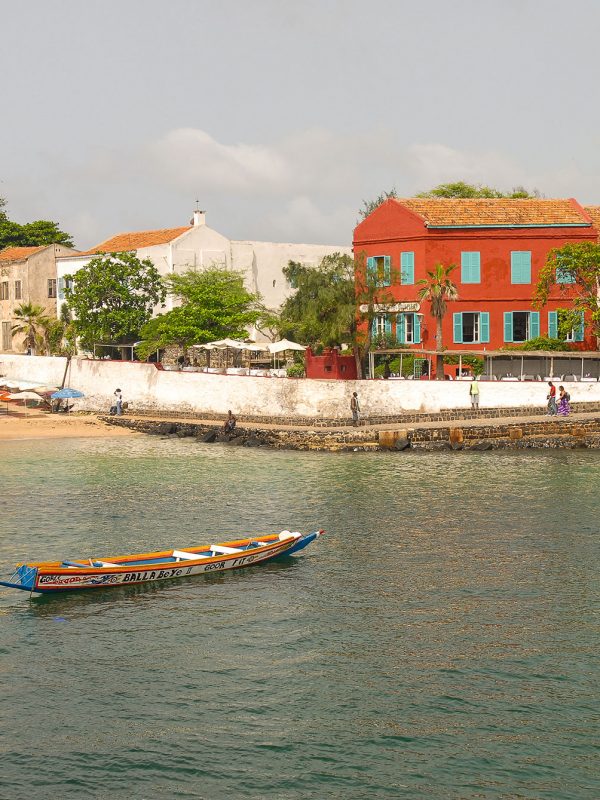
x,y
282,116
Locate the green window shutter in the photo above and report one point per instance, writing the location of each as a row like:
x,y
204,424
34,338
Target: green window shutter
x,y
416,329
520,266
387,270
484,326
371,267
553,324
374,327
534,324
564,276
508,326
388,325
470,267
61,288
579,329
407,268
457,328
400,328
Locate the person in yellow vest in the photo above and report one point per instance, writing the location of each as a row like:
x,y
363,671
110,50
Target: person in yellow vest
x,y
474,392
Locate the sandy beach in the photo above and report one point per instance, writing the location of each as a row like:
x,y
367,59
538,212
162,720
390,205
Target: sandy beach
x,y
22,423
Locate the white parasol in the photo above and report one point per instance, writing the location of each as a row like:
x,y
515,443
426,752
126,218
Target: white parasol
x,y
27,396
285,344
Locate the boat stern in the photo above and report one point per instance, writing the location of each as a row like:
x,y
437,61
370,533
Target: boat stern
x,y
24,577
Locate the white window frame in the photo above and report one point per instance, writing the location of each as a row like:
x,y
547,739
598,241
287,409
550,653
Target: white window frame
x,y
409,328
380,325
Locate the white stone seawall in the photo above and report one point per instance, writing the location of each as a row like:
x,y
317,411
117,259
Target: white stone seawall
x,y
152,390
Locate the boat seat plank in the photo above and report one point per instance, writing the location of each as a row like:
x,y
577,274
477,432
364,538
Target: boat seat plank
x,y
106,564
181,554
219,548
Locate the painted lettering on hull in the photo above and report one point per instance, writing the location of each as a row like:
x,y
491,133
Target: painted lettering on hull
x,y
74,581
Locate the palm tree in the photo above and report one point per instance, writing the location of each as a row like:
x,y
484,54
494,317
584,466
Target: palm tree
x,y
438,289
31,320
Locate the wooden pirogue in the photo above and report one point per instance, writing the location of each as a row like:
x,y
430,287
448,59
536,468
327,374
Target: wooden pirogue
x,y
62,576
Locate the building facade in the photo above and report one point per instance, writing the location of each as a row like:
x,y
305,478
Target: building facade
x,y
498,246
197,246
27,275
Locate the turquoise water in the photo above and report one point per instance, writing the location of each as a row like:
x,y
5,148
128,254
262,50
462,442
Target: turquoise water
x,y
441,641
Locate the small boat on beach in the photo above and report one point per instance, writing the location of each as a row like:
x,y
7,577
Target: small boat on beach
x,y
63,576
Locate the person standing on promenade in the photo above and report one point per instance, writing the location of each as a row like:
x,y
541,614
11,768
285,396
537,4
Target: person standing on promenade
x,y
474,393
551,397
355,408
118,402
564,407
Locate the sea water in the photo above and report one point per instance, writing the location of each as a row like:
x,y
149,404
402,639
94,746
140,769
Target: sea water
x,y
441,640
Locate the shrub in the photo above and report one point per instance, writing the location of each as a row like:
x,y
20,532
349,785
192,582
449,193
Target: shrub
x,y
295,371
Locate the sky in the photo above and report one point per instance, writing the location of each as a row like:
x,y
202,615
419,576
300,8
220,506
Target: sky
x,y
281,117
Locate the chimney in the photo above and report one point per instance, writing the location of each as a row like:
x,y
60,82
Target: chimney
x,y
199,218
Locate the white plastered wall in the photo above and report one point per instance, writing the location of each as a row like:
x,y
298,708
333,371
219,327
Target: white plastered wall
x,y
150,389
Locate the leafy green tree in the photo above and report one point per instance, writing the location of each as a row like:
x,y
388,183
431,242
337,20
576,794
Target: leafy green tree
x,y
214,305
31,234
31,321
462,190
334,303
438,289
42,232
113,297
370,205
574,271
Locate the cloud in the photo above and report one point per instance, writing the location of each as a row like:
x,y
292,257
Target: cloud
x,y
188,158
306,187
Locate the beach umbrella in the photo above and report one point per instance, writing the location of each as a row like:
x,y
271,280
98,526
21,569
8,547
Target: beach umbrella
x,y
26,396
66,394
285,344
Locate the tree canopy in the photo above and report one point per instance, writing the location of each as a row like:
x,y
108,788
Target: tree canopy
x,y
113,297
324,308
214,305
460,190
31,234
574,270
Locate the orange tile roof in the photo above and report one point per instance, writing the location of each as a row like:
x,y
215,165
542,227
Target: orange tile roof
x,y
19,253
500,212
133,241
594,212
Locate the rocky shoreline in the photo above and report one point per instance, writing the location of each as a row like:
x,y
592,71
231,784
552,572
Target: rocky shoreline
x,y
538,434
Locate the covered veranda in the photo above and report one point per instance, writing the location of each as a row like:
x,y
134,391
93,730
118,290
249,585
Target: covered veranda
x,y
504,365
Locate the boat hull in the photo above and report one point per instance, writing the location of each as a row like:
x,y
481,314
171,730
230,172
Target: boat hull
x,y
49,577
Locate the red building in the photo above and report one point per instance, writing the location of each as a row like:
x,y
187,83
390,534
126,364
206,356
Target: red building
x,y
331,365
499,247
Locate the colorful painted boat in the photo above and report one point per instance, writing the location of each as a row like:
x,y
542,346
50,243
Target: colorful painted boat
x,y
63,576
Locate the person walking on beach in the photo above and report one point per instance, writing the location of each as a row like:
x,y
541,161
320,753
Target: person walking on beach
x,y
564,407
355,408
118,402
551,397
474,393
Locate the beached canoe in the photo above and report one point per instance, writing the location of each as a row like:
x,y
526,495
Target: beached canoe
x,y
92,573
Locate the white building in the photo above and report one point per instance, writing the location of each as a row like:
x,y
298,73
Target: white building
x,y
198,246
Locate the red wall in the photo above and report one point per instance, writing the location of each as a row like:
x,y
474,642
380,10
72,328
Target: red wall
x,y
392,229
330,365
